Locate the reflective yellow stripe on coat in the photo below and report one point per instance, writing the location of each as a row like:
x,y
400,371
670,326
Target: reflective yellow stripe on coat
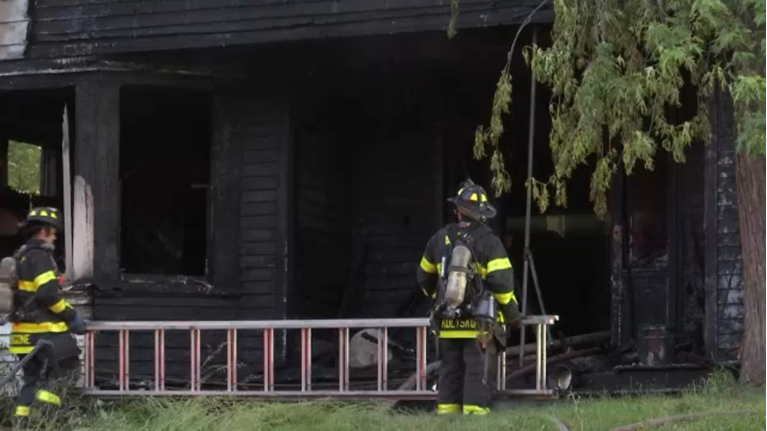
x,y
60,306
40,328
505,298
427,266
27,286
458,334
32,286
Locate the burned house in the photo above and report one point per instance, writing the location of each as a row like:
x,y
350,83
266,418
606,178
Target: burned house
x,y
250,160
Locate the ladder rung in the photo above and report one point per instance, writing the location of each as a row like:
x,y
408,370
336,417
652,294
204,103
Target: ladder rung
x,y
343,327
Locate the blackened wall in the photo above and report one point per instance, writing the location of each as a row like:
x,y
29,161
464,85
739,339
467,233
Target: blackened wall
x,y
264,234
396,209
365,210
148,301
322,236
263,129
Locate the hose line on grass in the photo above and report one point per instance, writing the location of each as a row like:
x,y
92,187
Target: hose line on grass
x,y
663,421
561,426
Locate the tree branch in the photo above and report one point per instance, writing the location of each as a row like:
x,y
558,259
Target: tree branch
x,y
527,20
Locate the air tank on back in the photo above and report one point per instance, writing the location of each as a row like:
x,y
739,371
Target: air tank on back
x,y
7,281
457,278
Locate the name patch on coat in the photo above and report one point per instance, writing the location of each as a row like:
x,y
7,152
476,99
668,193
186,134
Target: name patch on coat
x,y
459,324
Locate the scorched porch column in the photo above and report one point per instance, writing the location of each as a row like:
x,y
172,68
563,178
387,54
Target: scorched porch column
x,y
96,192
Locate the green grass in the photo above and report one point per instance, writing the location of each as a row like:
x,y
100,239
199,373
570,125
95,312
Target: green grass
x,y
599,413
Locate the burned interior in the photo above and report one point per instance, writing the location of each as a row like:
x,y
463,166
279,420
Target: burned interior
x,y
164,171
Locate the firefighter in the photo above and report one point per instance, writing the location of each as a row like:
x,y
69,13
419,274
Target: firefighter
x,y
464,385
39,312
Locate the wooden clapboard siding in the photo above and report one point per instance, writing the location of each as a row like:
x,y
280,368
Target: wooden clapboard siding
x,y
261,238
82,27
322,224
394,194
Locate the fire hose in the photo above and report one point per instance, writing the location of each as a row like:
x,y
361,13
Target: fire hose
x,y
41,345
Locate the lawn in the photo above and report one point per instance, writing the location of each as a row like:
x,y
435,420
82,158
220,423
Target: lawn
x,y
601,413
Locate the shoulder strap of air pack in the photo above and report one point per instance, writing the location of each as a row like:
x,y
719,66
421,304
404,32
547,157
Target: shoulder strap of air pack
x,y
23,250
469,236
472,234
19,254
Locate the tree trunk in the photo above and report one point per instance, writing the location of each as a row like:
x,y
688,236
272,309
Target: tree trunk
x,y
751,204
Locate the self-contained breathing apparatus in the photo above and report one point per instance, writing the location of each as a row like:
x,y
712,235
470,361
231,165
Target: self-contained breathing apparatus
x,y
9,280
461,295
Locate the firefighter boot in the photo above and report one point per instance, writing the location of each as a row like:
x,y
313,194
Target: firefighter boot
x,y
20,420
477,394
451,374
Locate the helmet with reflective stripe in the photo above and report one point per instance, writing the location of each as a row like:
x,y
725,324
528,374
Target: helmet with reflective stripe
x,y
471,200
45,216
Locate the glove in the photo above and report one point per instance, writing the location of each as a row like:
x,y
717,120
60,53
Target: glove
x,y
516,323
77,325
511,315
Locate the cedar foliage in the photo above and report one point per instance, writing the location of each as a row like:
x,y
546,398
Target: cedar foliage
x,y
615,67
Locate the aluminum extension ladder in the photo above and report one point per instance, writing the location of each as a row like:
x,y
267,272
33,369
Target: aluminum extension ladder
x,y
268,328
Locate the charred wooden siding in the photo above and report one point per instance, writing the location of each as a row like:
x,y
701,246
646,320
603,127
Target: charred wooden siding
x,y
259,226
724,270
730,307
265,214
364,214
322,225
81,27
396,194
147,305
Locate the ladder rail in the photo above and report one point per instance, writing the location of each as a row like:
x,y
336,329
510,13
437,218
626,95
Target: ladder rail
x,y
343,326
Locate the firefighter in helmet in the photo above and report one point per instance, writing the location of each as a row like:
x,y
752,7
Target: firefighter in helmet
x,y
464,380
39,312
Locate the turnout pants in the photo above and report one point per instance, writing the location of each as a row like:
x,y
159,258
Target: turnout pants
x,y
460,378
45,383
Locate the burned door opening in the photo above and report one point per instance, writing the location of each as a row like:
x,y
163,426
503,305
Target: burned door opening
x,y
648,253
569,246
164,171
31,158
